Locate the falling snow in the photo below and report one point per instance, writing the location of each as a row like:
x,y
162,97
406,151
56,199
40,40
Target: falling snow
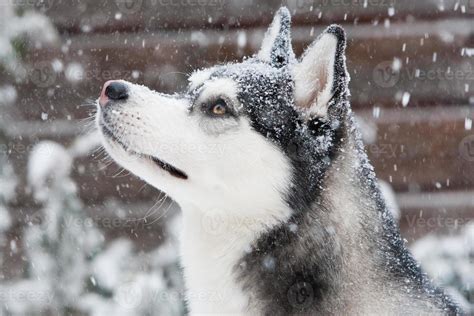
x,y
405,98
74,226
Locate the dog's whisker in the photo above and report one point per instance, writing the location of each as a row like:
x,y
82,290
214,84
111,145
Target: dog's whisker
x,y
142,187
162,214
161,198
120,173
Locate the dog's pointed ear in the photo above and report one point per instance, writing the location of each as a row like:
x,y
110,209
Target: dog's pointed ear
x,y
321,73
276,47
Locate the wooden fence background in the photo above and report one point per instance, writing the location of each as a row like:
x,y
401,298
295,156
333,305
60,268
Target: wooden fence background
x,y
424,149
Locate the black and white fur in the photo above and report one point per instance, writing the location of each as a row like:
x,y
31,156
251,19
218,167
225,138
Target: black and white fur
x,y
282,213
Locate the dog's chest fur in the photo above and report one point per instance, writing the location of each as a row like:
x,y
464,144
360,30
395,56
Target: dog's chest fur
x,y
209,259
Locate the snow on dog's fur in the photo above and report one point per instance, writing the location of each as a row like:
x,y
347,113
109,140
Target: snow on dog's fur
x,y
282,212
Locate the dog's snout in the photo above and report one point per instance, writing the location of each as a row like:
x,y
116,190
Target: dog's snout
x,y
113,90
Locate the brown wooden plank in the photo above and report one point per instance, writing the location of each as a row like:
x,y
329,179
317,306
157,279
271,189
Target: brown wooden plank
x,y
434,69
424,149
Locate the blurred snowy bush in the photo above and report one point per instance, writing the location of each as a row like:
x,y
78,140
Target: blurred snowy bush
x,y
8,182
16,25
71,270
449,260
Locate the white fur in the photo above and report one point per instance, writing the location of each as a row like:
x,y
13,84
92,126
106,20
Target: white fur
x,y
219,87
231,196
199,77
314,76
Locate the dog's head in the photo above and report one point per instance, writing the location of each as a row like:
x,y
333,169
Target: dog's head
x,y
254,135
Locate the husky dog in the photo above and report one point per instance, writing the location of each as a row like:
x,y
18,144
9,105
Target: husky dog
x,y
282,213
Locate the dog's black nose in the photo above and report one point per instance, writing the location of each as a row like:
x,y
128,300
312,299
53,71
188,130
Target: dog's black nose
x,y
116,90
113,90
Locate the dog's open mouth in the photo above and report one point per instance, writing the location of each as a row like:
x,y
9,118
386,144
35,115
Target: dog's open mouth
x,y
167,167
175,172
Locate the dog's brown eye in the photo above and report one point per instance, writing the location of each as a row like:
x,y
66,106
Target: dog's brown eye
x,y
219,107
